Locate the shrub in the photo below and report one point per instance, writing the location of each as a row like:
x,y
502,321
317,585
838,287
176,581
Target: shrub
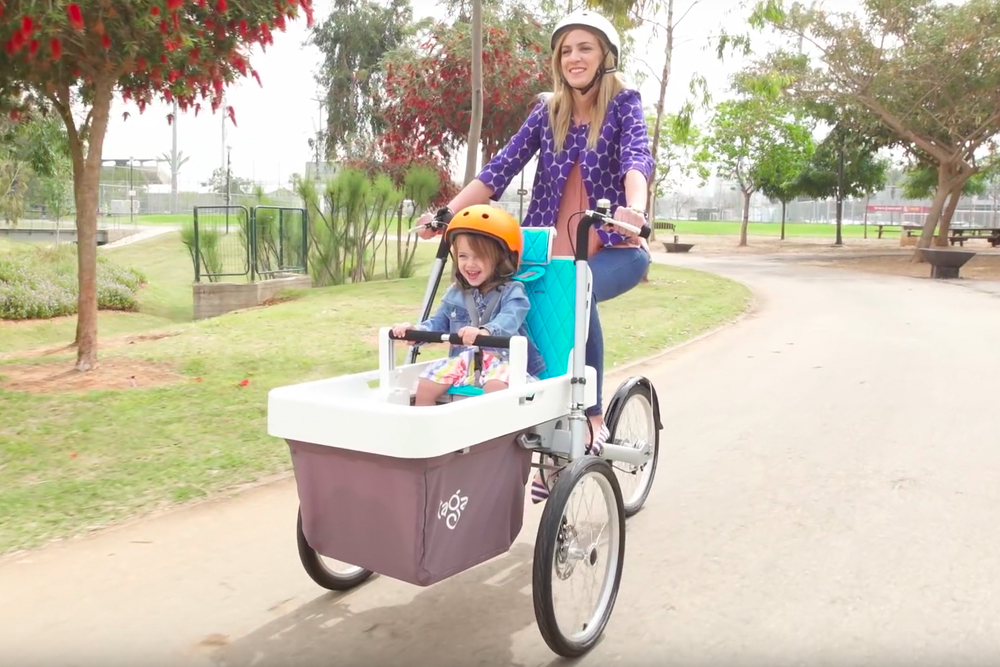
x,y
38,283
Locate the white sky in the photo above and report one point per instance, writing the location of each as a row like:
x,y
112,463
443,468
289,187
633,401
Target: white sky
x,y
274,123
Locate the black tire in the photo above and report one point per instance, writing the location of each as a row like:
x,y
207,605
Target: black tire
x,y
548,543
318,570
635,393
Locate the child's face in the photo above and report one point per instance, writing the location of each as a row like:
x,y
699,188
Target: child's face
x,y
476,269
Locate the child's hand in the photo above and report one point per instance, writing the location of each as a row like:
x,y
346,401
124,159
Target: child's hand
x,y
399,330
469,334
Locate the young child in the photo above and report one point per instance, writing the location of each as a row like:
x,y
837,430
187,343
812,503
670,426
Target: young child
x,y
484,299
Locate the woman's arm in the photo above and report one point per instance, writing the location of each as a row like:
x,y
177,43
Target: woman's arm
x,y
636,158
508,163
636,189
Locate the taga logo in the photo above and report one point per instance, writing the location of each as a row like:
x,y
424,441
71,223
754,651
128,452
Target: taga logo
x,y
451,510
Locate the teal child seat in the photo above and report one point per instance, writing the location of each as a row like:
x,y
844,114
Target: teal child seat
x,y
551,286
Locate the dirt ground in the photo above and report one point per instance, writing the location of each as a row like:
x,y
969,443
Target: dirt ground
x,y
111,373
869,255
59,376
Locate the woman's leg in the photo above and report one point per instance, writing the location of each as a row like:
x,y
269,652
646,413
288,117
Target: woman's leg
x,y
615,271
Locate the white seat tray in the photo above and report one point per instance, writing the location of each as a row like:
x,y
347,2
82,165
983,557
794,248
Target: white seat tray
x,y
348,413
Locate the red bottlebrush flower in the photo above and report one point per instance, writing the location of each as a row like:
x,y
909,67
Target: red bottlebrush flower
x,y
105,42
163,27
27,25
197,109
253,73
243,28
33,47
125,114
280,22
163,58
155,11
75,16
55,49
175,4
221,7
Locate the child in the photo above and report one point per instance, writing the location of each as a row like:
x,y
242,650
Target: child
x,y
483,300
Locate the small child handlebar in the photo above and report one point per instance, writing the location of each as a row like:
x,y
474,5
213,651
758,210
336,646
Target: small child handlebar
x,y
418,336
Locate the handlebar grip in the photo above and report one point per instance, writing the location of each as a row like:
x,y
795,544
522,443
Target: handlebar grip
x,y
418,336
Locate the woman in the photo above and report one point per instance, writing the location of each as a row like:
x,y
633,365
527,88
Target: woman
x,y
600,129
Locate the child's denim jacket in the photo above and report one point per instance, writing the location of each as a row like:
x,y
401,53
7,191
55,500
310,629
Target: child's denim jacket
x,y
508,319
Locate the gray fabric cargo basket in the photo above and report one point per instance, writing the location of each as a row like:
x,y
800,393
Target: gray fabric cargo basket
x,y
417,520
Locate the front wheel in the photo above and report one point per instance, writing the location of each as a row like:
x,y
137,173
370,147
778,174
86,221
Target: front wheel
x,y
581,538
334,578
632,423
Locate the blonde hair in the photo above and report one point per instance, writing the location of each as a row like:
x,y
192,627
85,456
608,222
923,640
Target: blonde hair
x,y
561,101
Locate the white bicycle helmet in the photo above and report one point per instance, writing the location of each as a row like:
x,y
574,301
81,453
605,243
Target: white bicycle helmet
x,y
593,21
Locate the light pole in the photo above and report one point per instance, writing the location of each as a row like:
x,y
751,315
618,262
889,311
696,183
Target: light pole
x,y
229,150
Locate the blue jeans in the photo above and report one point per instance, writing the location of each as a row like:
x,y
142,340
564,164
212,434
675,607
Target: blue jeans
x,y
615,271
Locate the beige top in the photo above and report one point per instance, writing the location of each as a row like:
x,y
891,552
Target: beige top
x,y
574,200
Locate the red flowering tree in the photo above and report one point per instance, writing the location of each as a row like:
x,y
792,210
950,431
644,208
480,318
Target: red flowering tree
x,y
72,57
429,100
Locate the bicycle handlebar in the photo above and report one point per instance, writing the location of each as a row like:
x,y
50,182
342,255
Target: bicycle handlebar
x,y
602,216
418,336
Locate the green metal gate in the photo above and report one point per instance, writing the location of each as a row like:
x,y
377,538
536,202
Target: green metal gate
x,y
233,241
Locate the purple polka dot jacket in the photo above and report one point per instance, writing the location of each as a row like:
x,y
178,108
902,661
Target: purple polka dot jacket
x,y
624,145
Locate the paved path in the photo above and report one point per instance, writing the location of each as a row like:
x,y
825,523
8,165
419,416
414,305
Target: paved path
x,y
828,493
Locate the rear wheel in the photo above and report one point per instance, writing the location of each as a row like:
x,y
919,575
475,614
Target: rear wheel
x,y
330,574
632,423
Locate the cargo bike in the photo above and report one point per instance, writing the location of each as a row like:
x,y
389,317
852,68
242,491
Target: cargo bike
x,y
420,494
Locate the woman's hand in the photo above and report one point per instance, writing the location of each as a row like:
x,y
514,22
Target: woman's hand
x,y
426,232
630,217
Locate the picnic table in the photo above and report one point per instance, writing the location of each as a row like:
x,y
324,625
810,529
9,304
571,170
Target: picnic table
x,y
960,235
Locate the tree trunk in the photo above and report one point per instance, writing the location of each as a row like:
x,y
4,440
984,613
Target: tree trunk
x,y
926,233
949,179
476,122
668,53
840,193
746,218
944,225
784,207
86,179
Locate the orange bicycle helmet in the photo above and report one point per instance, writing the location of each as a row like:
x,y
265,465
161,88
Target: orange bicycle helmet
x,y
489,221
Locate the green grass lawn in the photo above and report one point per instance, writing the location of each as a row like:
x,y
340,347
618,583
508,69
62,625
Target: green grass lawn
x,y
800,229
71,462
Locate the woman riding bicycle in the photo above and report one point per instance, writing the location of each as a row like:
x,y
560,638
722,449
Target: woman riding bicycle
x,y
598,125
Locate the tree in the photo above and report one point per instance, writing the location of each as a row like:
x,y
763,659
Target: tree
x,y
353,41
31,145
428,110
916,65
744,138
65,56
681,156
844,165
476,83
222,183
782,166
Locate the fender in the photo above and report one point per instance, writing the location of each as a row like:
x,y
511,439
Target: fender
x,y
618,400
